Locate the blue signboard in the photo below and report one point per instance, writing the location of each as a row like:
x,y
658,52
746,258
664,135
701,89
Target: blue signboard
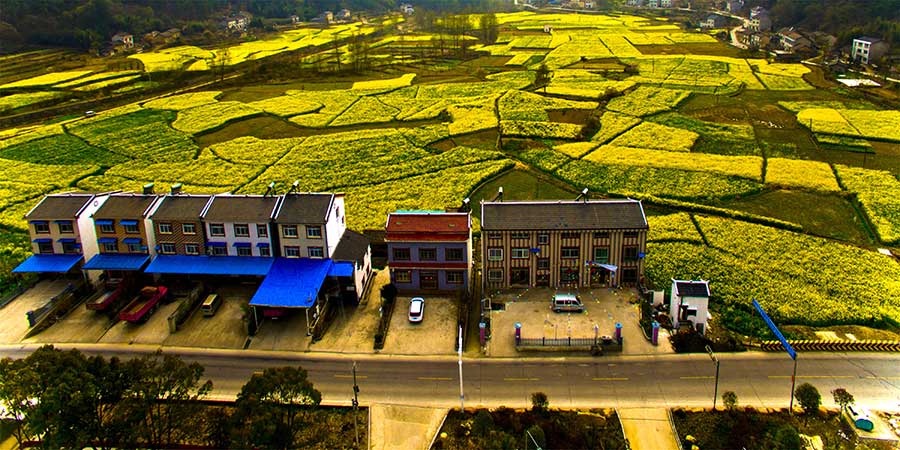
x,y
784,342
535,250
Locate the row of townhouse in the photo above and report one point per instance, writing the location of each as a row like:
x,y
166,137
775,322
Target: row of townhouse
x,y
561,244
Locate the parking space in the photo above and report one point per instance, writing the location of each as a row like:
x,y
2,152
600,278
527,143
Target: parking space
x,y
79,325
603,308
353,331
225,329
284,334
13,323
152,332
435,335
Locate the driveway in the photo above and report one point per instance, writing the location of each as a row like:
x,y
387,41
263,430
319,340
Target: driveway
x,y
13,323
435,335
648,428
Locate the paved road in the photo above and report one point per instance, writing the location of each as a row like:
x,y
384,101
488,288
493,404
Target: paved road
x,y
761,379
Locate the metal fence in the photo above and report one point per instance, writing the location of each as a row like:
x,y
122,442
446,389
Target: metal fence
x,y
558,342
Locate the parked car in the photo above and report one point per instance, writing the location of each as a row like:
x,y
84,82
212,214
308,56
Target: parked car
x,y
566,303
416,309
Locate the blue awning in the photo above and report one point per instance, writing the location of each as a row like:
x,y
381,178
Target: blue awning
x,y
104,221
210,265
107,240
292,283
39,222
262,244
48,263
242,244
131,241
128,222
341,269
216,244
67,240
62,221
42,240
117,261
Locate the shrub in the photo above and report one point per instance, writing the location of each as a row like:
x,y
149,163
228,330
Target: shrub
x,y
539,402
787,438
808,397
483,423
536,436
730,399
842,397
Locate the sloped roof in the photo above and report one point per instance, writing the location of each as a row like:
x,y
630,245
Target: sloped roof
x,y
241,208
58,206
691,288
352,247
120,206
304,208
563,215
437,222
181,207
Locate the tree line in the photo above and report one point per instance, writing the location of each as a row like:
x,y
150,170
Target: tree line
x,y
845,19
65,399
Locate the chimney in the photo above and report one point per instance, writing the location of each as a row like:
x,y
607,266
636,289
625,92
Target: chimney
x,y
270,189
148,189
295,187
499,197
176,188
583,195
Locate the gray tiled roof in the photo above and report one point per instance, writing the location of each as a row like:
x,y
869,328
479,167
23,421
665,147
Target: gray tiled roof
x,y
59,206
352,247
241,208
125,206
181,207
304,208
692,288
563,215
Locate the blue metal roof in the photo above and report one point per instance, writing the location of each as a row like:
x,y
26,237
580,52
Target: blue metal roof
x,y
210,265
341,269
47,263
117,261
292,283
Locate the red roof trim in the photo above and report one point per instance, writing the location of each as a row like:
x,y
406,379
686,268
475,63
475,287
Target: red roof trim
x,y
428,265
425,236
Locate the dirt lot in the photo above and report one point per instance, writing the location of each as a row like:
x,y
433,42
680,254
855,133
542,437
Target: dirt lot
x,y
354,329
80,325
223,330
13,323
604,307
435,335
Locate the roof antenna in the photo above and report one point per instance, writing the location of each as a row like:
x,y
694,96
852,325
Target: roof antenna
x,y
270,189
294,187
465,205
583,195
499,197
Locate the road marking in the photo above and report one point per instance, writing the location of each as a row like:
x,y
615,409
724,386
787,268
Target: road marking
x,y
521,379
435,379
349,376
883,378
610,379
697,378
812,376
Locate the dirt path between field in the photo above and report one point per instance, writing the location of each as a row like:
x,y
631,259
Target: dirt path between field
x,y
648,428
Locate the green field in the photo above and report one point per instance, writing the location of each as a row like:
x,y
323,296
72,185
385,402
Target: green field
x,y
793,186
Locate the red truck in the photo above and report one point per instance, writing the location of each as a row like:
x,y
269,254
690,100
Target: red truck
x,y
102,300
140,308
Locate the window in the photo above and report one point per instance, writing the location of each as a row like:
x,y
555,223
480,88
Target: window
x,y
316,252
216,229
192,249
401,254
241,230
244,251
131,228
71,247
41,227
495,275
289,231
518,235
495,254
337,212
519,253
165,228
568,275
314,232
402,276
107,228
543,238
264,251
262,230
630,253
45,247
543,263
569,252
601,235
135,247
219,251
453,254
454,277
601,255
494,235
292,252
427,254
110,247
570,235
65,227
188,228
631,234
167,248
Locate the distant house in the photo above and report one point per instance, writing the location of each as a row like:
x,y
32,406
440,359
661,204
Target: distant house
x,y
867,50
792,41
636,3
237,22
734,6
689,303
343,14
754,39
295,19
759,19
659,3
430,250
548,28
713,21
407,9
126,40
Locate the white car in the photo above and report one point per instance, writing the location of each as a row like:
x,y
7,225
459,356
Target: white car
x,y
416,309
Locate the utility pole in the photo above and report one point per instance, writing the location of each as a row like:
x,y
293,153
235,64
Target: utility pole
x,y
462,397
713,357
355,405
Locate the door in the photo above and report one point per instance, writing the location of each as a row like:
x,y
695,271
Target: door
x,y
599,277
519,277
428,280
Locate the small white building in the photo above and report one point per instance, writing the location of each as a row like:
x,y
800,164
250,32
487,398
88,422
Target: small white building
x,y
689,302
867,50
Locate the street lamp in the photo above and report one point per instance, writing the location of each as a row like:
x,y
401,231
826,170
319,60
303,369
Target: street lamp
x,y
462,397
713,357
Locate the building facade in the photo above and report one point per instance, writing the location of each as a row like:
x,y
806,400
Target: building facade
x,y
122,224
867,50
238,225
309,225
177,226
562,244
430,251
689,303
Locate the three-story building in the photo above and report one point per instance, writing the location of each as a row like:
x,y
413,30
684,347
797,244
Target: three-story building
x,y
124,232
310,225
562,243
177,226
238,225
429,250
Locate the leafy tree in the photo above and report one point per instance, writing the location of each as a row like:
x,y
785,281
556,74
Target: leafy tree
x,y
490,28
842,397
482,423
808,397
539,402
359,53
269,407
536,434
542,77
15,380
730,399
787,438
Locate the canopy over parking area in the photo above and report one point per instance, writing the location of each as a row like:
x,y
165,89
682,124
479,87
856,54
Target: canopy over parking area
x,y
48,264
117,261
292,283
210,265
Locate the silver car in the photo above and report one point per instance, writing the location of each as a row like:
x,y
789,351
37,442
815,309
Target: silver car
x,y
416,309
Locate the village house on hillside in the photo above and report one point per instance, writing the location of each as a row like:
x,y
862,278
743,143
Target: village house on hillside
x,y
867,50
